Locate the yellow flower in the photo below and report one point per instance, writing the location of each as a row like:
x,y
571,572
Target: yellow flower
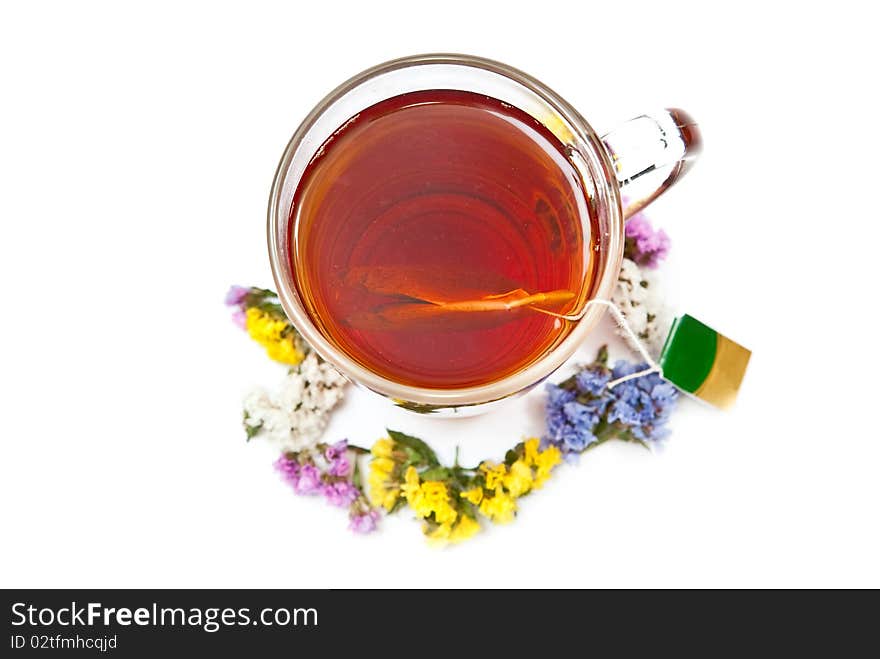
x,y
531,451
494,475
285,351
383,448
435,492
276,335
466,528
387,499
547,459
500,508
438,533
474,495
383,465
412,490
412,483
383,490
429,497
444,513
518,481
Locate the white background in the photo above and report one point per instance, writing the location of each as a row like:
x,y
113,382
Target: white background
x,y
137,147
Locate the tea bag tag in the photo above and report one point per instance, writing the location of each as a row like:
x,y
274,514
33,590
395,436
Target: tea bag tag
x,y
703,362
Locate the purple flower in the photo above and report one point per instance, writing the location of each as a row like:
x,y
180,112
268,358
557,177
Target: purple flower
x,y
336,455
240,318
337,490
340,467
644,245
289,470
364,522
309,480
340,493
333,451
236,295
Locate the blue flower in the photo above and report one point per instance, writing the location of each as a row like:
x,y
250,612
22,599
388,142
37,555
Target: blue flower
x,y
664,393
623,368
574,440
622,411
556,424
592,380
557,396
640,407
580,416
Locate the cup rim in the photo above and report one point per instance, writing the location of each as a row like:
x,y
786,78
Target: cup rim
x,y
518,382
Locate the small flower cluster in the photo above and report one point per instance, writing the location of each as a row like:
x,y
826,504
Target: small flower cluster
x,y
295,417
643,245
405,471
497,486
582,412
332,472
258,312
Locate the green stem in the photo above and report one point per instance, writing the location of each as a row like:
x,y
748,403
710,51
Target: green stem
x,y
356,475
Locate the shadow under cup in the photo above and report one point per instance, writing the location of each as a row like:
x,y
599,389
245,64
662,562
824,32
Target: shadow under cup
x,y
398,278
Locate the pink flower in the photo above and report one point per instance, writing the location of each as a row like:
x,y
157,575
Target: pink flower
x,y
644,245
236,295
333,451
341,493
338,491
364,522
289,470
309,481
240,319
340,467
336,456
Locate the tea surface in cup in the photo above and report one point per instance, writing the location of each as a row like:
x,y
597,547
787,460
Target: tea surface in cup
x,y
434,231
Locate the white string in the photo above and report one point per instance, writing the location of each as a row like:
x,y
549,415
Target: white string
x,y
653,367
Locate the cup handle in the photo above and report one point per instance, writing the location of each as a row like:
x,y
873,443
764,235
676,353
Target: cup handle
x,y
650,153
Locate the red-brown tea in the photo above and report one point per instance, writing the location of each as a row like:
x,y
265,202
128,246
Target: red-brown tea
x,y
437,232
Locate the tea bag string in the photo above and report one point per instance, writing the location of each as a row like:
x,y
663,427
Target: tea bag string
x,y
653,367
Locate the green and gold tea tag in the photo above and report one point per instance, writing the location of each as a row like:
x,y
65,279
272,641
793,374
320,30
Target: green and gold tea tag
x,y
702,362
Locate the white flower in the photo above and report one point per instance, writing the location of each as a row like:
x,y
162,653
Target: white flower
x,y
639,297
295,416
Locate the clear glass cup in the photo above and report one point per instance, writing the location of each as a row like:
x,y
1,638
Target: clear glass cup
x,y
645,155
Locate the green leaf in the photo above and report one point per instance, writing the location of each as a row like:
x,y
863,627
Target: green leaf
x,y
251,431
602,356
400,503
417,445
511,456
356,475
436,474
420,408
569,384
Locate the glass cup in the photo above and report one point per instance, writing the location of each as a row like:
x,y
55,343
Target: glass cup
x,y
645,156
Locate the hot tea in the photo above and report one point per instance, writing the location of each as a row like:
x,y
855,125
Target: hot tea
x,y
438,234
